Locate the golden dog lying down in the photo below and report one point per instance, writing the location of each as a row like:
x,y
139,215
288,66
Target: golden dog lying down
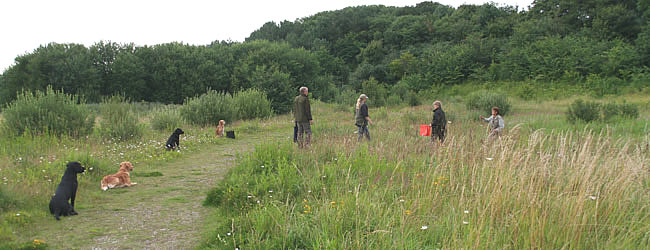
x,y
120,179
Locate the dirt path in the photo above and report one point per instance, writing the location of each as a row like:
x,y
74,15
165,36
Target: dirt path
x,y
163,212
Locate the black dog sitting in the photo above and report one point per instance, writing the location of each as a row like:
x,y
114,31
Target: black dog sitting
x,y
174,139
67,190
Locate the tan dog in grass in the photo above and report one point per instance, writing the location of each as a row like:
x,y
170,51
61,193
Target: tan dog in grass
x,y
120,179
220,128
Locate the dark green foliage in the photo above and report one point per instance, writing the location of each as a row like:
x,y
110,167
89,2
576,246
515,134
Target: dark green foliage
x,y
484,101
209,108
118,121
47,112
427,45
166,119
252,103
580,110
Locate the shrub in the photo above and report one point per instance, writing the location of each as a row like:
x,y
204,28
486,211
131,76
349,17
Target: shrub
x,y
413,99
393,100
485,100
208,108
347,97
118,119
629,110
166,118
52,112
252,103
584,111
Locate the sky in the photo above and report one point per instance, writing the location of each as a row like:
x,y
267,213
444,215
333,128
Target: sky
x,y
27,24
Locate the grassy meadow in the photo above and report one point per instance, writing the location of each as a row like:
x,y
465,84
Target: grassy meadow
x,y
545,183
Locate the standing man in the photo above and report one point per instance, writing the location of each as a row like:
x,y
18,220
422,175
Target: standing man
x,y
438,123
302,115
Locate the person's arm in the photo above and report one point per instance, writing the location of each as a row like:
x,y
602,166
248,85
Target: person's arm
x,y
486,119
501,125
364,113
308,111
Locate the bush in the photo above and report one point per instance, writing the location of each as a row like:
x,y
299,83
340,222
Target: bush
x,y
347,97
485,100
118,119
166,118
251,104
52,112
629,110
584,111
209,108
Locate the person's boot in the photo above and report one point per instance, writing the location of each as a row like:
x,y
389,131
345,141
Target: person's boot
x,y
307,141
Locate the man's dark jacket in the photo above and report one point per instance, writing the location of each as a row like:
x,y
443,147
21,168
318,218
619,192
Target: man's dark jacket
x,y
301,109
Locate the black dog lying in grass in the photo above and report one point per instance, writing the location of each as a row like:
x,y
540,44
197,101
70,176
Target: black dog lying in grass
x,y
174,139
67,190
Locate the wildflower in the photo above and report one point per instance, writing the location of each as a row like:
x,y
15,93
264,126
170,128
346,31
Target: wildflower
x,y
262,166
401,200
407,212
270,191
228,233
18,214
38,242
465,222
466,211
489,158
333,203
249,197
424,227
593,198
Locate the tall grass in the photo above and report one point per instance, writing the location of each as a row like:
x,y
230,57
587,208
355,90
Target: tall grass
x,y
529,189
166,118
118,119
251,104
50,112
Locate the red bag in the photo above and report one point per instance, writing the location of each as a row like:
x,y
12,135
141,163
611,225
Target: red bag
x,y
425,130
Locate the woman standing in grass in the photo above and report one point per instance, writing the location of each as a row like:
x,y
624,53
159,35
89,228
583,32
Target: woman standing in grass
x,y
438,123
361,117
495,123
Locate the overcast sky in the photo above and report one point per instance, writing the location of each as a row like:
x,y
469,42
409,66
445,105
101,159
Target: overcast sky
x,y
27,24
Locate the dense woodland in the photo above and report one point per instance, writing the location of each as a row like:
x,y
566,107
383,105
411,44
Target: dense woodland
x,y
386,50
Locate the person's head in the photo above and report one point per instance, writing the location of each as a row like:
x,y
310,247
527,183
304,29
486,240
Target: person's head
x,y
304,90
362,99
437,105
495,111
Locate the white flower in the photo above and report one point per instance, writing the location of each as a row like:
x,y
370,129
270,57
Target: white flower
x,y
91,169
466,211
308,191
449,122
249,197
424,227
228,233
593,198
17,214
465,222
489,159
270,191
401,200
262,166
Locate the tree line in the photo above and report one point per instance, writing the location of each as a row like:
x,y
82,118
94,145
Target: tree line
x,y
600,42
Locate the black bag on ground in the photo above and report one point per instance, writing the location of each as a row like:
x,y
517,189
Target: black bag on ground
x,y
230,134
